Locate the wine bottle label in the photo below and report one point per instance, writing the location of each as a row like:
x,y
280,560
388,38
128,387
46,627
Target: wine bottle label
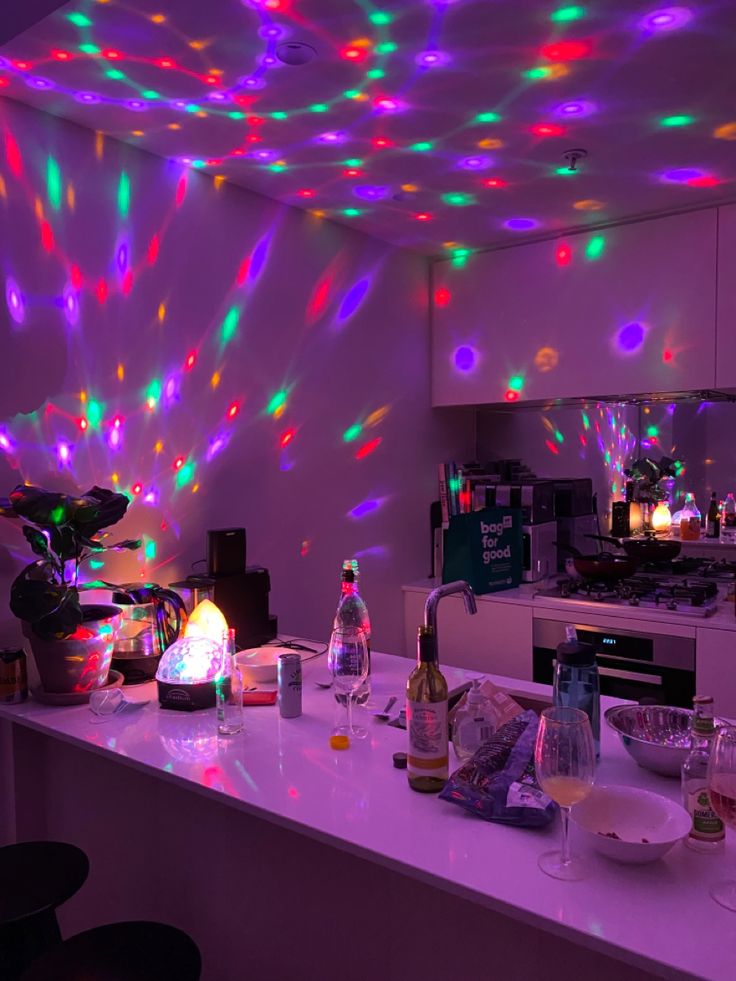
x,y
428,748
707,826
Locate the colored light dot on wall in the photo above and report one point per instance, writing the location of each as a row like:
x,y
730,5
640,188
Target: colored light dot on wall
x,y
136,489
595,248
563,255
423,216
185,474
90,49
53,183
511,395
380,18
78,19
516,383
278,401
631,337
671,121
385,47
667,356
229,325
520,224
548,129
351,212
652,431
232,410
318,107
458,199
464,358
727,131
286,438
442,296
94,413
589,204
559,437
150,550
352,433
123,195
565,14
487,117
540,71
83,424
566,50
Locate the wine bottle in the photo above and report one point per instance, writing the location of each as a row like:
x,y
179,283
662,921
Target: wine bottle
x,y
426,719
713,520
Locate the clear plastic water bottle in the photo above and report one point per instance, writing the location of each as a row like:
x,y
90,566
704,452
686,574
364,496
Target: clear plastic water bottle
x,y
576,682
229,690
352,613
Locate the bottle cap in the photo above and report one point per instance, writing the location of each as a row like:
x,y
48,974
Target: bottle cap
x,y
400,761
475,695
576,654
339,741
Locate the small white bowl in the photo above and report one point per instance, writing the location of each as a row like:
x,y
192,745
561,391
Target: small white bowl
x,y
260,664
647,825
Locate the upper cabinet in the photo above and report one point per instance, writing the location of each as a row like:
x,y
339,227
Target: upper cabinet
x,y
627,310
726,324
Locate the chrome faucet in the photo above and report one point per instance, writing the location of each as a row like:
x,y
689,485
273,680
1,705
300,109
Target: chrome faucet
x,y
448,589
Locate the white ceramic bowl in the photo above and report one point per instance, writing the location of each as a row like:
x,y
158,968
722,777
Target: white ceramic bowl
x,y
647,824
260,664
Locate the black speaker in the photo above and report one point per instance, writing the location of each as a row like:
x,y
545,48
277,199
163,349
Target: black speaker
x,y
226,551
243,599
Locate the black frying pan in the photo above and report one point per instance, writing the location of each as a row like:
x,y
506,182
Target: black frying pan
x,y
601,566
644,549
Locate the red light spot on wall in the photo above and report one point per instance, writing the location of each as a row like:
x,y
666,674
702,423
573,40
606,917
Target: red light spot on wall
x,y
60,55
82,423
548,129
254,120
165,63
667,356
75,275
368,448
101,291
511,395
153,247
136,489
305,192
318,299
242,273
111,54
442,296
47,236
179,462
352,172
127,283
286,438
4,82
551,447
494,182
423,216
707,180
353,54
381,142
563,255
583,439
22,66
566,50
181,190
233,410
191,360
12,154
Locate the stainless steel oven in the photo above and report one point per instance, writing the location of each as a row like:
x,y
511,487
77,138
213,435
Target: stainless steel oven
x,y
632,664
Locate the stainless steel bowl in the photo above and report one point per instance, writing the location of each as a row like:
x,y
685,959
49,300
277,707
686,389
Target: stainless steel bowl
x,y
656,736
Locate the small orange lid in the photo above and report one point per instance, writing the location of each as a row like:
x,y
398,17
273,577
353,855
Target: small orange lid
x,y
339,742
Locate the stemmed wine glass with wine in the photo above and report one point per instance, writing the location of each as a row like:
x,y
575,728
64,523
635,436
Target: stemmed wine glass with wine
x,y
722,792
564,758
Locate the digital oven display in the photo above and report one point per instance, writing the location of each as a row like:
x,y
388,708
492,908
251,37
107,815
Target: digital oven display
x,y
632,648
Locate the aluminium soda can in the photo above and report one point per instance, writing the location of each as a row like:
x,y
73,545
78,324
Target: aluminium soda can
x,y
290,685
13,675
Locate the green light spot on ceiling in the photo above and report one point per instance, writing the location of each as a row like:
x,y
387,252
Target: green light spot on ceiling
x,y
190,107
586,421
565,172
198,164
380,18
608,456
89,49
564,14
236,115
652,431
229,325
540,72
184,476
375,73
422,147
277,402
279,114
94,413
353,162
559,437
277,167
352,93
150,94
487,117
458,199
595,248
153,393
352,433
460,256
150,549
385,47
53,183
79,20
123,195
351,212
671,121
319,107
114,73
516,383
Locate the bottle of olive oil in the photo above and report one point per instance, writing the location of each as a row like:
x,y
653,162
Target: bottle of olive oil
x,y
426,719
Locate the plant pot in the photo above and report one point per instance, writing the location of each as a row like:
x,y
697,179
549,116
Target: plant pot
x,y
80,662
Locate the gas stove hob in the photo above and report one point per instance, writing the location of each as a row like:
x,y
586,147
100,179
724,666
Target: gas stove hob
x,y
690,595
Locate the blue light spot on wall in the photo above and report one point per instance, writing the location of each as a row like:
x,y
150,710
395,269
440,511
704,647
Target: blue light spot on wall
x,y
258,258
631,337
353,299
465,358
365,507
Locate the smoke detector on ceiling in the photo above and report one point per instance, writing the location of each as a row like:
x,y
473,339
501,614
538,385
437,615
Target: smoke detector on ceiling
x,y
295,53
573,157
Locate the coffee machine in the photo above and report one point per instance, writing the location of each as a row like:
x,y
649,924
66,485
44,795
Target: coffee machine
x,y
240,591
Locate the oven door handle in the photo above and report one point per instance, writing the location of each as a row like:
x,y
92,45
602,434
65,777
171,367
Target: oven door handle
x,y
644,679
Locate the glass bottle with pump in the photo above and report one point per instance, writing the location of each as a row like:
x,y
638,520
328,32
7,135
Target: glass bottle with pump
x,y
426,719
707,833
352,613
473,723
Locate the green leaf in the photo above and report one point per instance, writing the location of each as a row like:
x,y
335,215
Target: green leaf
x,y
37,540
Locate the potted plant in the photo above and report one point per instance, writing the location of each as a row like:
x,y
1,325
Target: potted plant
x,y
72,643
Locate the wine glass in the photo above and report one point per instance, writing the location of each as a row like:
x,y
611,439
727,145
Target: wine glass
x,y
564,758
347,659
722,791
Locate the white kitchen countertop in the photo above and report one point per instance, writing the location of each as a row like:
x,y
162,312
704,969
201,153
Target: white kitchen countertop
x,y
659,916
528,595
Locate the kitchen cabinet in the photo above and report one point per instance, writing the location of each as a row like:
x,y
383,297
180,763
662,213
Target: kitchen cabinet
x,y
497,640
714,668
625,310
726,322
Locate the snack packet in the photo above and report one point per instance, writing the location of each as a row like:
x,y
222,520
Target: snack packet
x,y
498,783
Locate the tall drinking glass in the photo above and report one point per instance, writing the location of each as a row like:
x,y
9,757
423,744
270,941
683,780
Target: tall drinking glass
x,y
564,758
347,658
722,790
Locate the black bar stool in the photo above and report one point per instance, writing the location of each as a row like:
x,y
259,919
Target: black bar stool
x,y
133,951
35,878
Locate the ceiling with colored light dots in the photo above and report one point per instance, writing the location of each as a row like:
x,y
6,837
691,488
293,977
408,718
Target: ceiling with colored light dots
x,y
432,124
